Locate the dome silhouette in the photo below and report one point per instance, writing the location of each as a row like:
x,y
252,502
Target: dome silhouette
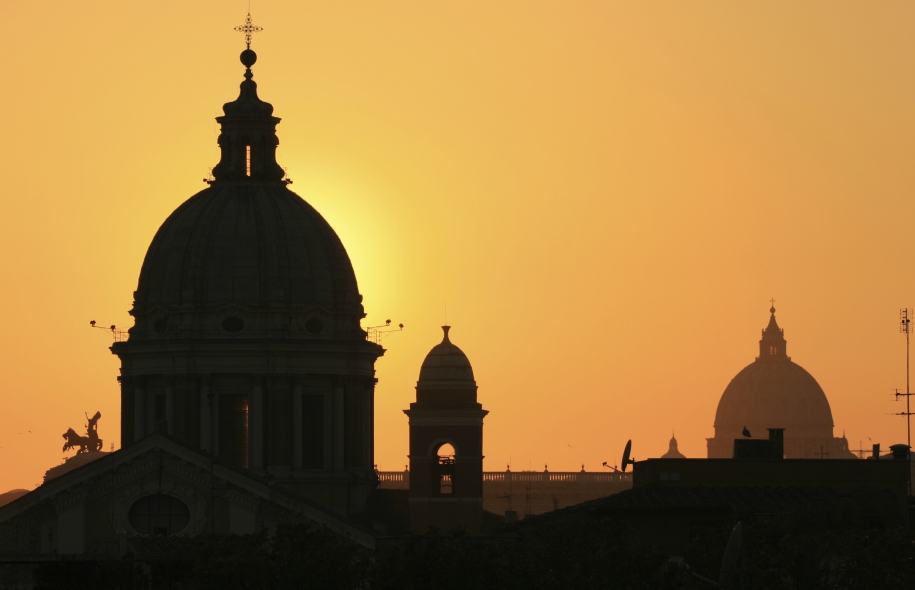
x,y
260,248
775,392
673,452
446,377
446,362
247,256
247,326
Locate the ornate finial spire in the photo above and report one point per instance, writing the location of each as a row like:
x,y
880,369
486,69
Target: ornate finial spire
x,y
446,329
772,309
249,28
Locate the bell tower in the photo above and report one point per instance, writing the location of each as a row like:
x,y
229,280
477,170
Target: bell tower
x,y
446,484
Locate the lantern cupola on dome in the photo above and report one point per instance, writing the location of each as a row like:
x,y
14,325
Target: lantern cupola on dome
x,y
248,138
773,344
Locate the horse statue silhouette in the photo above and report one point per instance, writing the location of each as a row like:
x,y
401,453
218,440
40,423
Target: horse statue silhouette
x,y
88,443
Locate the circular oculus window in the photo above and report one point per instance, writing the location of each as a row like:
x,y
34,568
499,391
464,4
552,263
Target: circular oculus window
x,y
314,326
159,515
233,324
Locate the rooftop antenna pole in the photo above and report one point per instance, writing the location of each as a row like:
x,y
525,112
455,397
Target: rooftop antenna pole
x,y
377,333
905,326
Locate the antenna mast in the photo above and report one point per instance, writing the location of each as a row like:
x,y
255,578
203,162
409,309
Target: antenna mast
x,y
377,333
118,335
905,326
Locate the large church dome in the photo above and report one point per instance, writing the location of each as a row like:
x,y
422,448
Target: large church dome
x,y
774,392
247,256
246,341
253,248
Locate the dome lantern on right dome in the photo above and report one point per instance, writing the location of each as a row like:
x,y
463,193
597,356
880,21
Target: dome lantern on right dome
x,y
775,392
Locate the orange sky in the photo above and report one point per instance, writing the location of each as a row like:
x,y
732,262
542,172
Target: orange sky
x,y
605,194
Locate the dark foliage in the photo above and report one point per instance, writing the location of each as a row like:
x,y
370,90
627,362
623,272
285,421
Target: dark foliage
x,y
590,552
797,553
300,557
387,512
440,562
85,575
584,555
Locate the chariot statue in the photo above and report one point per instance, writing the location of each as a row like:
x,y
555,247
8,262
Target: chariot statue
x,y
89,443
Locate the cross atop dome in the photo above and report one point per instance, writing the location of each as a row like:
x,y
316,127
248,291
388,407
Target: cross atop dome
x,y
249,28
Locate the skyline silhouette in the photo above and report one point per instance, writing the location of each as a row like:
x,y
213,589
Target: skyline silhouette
x,y
606,197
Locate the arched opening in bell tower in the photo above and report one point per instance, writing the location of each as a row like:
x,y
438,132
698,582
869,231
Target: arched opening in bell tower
x,y
444,472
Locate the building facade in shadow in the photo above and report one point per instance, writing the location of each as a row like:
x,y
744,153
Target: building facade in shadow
x,y
247,381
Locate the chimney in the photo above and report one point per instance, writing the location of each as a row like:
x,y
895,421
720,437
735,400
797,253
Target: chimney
x,y
900,452
777,436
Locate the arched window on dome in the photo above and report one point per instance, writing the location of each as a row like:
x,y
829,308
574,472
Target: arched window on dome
x,y
445,472
248,160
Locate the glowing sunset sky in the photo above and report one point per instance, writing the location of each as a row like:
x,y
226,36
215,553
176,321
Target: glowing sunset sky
x,y
605,195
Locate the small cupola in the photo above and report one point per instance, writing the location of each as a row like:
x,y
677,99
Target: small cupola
x,y
446,376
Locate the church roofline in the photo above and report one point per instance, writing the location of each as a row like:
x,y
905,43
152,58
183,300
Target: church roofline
x,y
242,479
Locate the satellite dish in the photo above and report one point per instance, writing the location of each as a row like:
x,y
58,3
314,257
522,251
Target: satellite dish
x,y
626,460
731,560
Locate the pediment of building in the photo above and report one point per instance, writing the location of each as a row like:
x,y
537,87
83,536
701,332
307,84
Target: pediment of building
x,y
158,465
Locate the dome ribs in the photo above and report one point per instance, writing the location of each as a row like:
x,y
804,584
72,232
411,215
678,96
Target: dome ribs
x,y
774,393
340,290
259,248
245,266
277,253
301,285
197,279
184,251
